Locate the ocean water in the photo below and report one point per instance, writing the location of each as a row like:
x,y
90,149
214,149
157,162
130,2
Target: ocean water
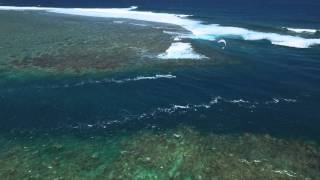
x,y
157,90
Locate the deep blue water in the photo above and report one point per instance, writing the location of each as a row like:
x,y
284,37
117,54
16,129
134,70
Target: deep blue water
x,y
279,86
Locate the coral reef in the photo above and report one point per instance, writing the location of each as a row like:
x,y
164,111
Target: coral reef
x,y
182,153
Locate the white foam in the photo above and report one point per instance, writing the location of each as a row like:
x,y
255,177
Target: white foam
x,y
133,7
286,172
177,39
157,76
237,101
212,32
139,24
138,78
279,100
242,103
198,29
179,50
224,43
297,30
117,81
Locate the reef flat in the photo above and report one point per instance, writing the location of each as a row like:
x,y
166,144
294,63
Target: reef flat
x,y
180,153
53,43
42,44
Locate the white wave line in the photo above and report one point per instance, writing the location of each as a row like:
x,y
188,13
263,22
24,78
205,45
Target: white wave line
x,y
184,109
278,100
199,30
214,101
286,172
118,81
300,30
138,78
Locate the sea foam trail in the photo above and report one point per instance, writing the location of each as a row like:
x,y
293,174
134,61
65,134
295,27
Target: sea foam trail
x,y
242,103
105,81
198,29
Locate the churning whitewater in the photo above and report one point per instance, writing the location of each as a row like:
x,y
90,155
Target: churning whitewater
x,y
198,29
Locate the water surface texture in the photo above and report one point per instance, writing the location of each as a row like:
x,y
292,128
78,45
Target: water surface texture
x,y
159,90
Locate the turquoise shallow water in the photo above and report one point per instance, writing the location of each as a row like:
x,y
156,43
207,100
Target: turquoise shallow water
x,y
89,97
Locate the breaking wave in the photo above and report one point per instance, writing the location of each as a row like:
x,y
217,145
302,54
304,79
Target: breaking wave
x,y
297,30
179,50
197,28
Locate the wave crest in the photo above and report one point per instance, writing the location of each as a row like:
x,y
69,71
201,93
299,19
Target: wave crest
x,y
297,30
198,29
